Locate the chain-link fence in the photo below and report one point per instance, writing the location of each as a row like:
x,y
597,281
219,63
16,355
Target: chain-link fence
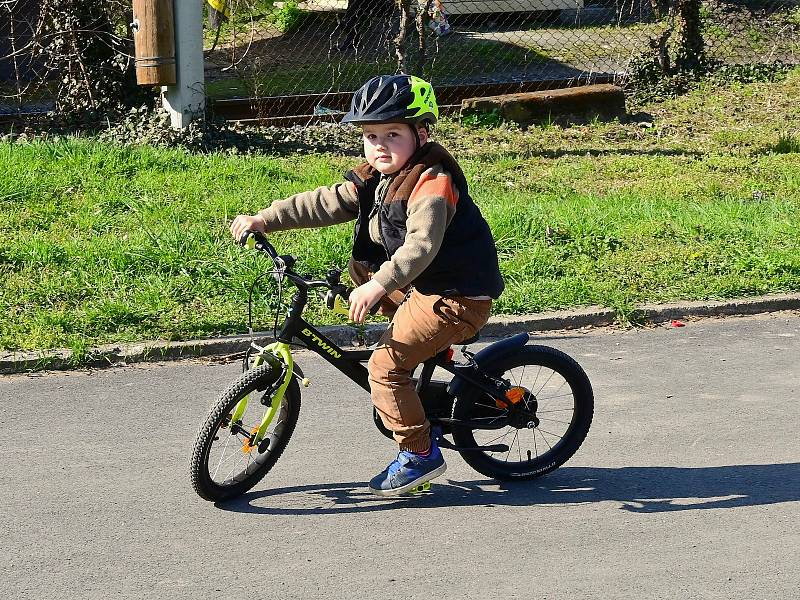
x,y
267,48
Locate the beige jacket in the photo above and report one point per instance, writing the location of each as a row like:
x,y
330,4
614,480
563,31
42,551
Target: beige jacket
x,y
431,206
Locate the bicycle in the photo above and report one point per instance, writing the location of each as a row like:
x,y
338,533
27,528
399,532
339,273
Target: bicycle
x,y
487,401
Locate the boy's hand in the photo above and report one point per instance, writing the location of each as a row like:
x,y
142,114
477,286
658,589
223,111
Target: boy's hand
x,y
363,298
244,223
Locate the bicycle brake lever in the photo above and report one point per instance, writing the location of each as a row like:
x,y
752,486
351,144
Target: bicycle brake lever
x,y
335,303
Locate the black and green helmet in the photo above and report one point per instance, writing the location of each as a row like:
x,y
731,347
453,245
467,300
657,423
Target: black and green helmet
x,y
393,99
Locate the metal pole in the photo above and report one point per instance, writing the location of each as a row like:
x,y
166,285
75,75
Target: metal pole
x,y
186,100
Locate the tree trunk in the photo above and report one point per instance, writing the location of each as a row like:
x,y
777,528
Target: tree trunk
x,y
423,18
690,55
214,18
401,42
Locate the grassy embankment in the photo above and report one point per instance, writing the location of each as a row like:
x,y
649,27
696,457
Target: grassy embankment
x,y
104,243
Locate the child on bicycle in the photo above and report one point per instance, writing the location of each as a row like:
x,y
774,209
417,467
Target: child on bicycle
x,y
421,250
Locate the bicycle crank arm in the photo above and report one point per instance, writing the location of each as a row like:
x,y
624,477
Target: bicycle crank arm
x,y
444,443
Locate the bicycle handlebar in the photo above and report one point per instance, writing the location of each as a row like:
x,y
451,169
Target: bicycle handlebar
x,y
284,263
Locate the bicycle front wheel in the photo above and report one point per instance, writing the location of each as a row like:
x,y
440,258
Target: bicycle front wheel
x,y
542,430
225,460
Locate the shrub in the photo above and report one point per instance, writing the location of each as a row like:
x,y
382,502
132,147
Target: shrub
x,y
288,17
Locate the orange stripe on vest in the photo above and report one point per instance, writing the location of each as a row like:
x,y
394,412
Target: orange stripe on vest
x,y
432,185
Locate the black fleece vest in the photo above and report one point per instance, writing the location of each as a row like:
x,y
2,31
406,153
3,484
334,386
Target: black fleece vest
x,y
466,263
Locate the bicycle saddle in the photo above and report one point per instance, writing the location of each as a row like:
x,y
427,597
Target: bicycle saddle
x,y
470,340
466,342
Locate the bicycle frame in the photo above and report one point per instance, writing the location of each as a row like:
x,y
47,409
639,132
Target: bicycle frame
x,y
349,362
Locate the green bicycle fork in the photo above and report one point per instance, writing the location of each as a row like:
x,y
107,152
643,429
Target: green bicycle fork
x,y
276,354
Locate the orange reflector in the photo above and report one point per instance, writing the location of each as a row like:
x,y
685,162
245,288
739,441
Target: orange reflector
x,y
246,447
515,394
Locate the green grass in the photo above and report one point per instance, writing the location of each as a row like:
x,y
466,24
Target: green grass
x,y
104,243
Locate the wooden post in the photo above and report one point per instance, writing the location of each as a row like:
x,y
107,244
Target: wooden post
x,y
154,40
186,99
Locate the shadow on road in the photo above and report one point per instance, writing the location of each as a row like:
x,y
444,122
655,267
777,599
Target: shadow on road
x,y
636,489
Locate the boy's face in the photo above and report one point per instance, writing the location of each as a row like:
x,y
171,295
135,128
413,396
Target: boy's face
x,y
388,146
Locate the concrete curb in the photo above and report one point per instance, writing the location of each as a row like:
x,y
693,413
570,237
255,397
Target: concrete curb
x,y
343,335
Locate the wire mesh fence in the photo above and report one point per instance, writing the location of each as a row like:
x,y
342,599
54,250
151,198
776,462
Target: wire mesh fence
x,y
269,48
319,46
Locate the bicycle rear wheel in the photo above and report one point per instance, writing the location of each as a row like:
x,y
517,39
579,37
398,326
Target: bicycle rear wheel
x,y
224,463
553,389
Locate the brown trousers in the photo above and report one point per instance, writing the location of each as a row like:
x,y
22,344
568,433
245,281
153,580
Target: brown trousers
x,y
422,326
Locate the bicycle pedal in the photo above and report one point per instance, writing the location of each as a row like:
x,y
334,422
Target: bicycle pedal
x,y
421,488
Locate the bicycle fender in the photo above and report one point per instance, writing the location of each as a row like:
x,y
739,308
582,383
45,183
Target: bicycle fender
x,y
492,352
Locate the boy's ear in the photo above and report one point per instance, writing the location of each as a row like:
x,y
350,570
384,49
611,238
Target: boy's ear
x,y
422,130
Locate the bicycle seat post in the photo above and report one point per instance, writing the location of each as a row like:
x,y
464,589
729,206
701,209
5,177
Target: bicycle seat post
x,y
425,375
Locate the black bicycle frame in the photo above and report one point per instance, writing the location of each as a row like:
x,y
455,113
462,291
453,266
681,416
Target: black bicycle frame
x,y
349,362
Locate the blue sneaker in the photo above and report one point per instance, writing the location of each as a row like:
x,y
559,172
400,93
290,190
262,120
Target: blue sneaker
x,y
408,471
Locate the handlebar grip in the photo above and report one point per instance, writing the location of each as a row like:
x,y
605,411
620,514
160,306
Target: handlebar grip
x,y
337,301
251,239
257,236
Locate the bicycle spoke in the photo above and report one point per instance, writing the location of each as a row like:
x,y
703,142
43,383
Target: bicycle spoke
x,y
499,437
545,383
491,406
539,372
554,391
543,431
502,413
544,438
540,399
228,476
516,433
222,455
236,457
555,421
239,460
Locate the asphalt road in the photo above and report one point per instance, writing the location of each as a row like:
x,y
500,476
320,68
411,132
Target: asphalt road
x,y
688,486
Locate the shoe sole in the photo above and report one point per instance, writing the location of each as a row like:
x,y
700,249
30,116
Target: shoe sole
x,y
409,486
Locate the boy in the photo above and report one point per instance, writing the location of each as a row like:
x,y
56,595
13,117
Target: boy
x,y
416,228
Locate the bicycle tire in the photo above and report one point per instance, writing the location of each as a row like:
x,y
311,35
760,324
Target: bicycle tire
x,y
473,404
282,428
